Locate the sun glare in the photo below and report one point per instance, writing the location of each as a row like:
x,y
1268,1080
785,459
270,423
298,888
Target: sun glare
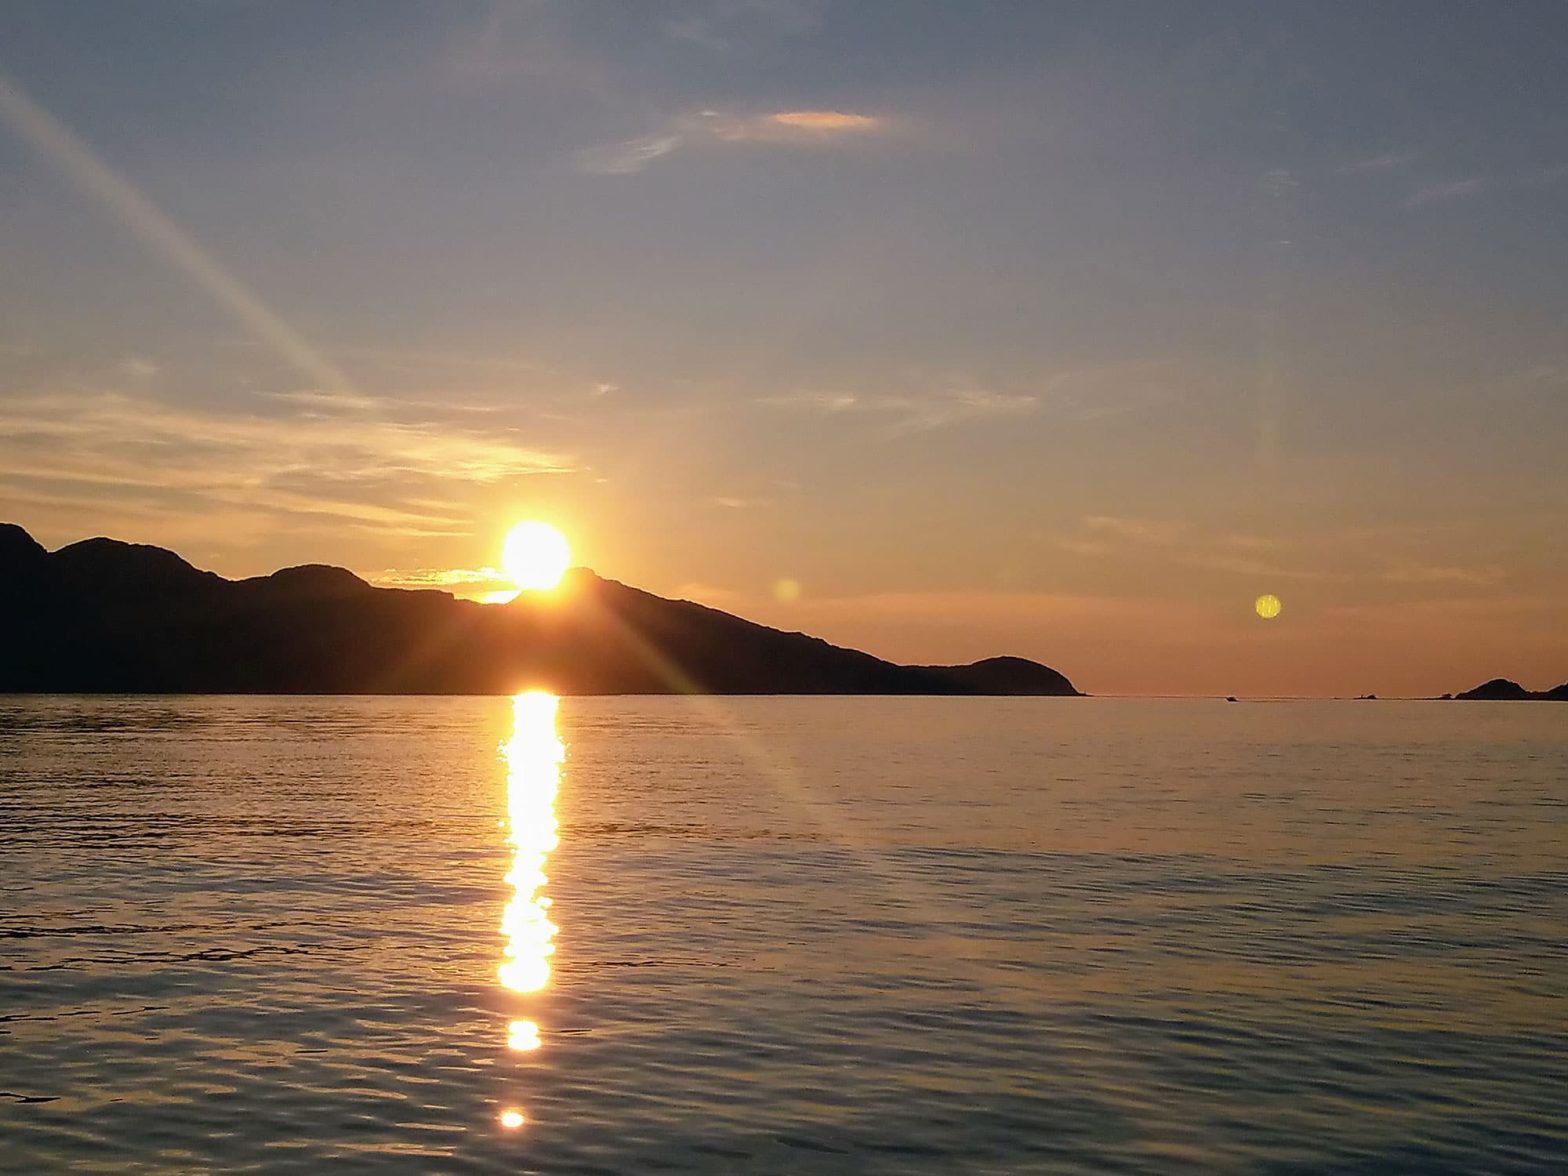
x,y
535,555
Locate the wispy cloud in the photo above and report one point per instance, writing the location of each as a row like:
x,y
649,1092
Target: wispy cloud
x,y
1258,557
1386,161
1447,190
735,502
1461,189
1403,572
1279,182
724,25
787,126
623,159
340,461
471,583
330,401
801,128
912,413
1119,388
1082,393
1545,375
1161,534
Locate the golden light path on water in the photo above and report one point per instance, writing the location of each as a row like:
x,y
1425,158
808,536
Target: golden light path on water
x,y
533,758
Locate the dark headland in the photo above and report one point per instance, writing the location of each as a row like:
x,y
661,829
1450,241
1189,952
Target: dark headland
x,y
102,616
1505,690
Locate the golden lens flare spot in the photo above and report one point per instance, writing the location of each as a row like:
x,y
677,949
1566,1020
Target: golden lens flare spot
x,y
535,556
1267,606
786,591
512,1118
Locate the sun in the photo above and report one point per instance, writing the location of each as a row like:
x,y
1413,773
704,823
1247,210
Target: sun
x,y
1267,606
535,555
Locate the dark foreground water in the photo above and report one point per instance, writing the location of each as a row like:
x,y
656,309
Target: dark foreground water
x,y
783,935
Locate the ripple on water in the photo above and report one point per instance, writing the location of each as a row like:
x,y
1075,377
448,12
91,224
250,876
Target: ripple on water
x,y
837,935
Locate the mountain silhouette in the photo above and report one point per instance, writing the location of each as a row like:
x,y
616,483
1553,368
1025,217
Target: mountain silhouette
x,y
112,617
1506,690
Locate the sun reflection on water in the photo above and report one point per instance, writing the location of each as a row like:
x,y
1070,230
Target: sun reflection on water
x,y
533,766
533,758
523,1036
533,775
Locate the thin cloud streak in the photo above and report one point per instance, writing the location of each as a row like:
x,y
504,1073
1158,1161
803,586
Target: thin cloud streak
x,y
1176,542
914,414
787,126
624,159
352,466
1386,162
468,583
1448,190
801,128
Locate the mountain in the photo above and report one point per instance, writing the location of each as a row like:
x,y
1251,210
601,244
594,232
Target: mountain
x,y
1006,675
112,617
1505,690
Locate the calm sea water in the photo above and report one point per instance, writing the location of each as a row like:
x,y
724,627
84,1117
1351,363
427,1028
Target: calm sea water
x,y
783,935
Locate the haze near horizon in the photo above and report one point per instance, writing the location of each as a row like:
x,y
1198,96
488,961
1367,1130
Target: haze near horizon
x,y
1049,330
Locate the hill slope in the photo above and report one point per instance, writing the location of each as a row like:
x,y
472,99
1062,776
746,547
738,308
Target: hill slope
x,y
1506,690
106,616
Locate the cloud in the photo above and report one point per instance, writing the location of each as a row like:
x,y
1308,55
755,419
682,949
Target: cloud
x,y
726,25
802,128
1545,374
1116,389
912,413
1279,182
1540,177
470,583
787,126
340,461
1251,555
1161,534
1447,190
328,400
624,159
1415,573
1386,162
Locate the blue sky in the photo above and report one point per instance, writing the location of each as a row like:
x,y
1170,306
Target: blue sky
x,y
1057,329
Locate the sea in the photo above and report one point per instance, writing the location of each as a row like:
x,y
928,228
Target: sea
x,y
953,935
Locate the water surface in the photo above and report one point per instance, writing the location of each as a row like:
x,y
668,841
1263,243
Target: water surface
x,y
782,935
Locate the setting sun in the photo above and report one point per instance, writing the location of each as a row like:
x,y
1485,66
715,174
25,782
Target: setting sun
x,y
535,555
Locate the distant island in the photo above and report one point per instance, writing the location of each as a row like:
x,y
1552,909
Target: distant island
x,y
102,616
1506,690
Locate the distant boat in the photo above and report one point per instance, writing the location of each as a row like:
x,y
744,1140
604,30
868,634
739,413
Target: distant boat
x,y
1230,698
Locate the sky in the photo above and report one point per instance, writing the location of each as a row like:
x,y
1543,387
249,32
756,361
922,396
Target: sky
x,y
940,330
